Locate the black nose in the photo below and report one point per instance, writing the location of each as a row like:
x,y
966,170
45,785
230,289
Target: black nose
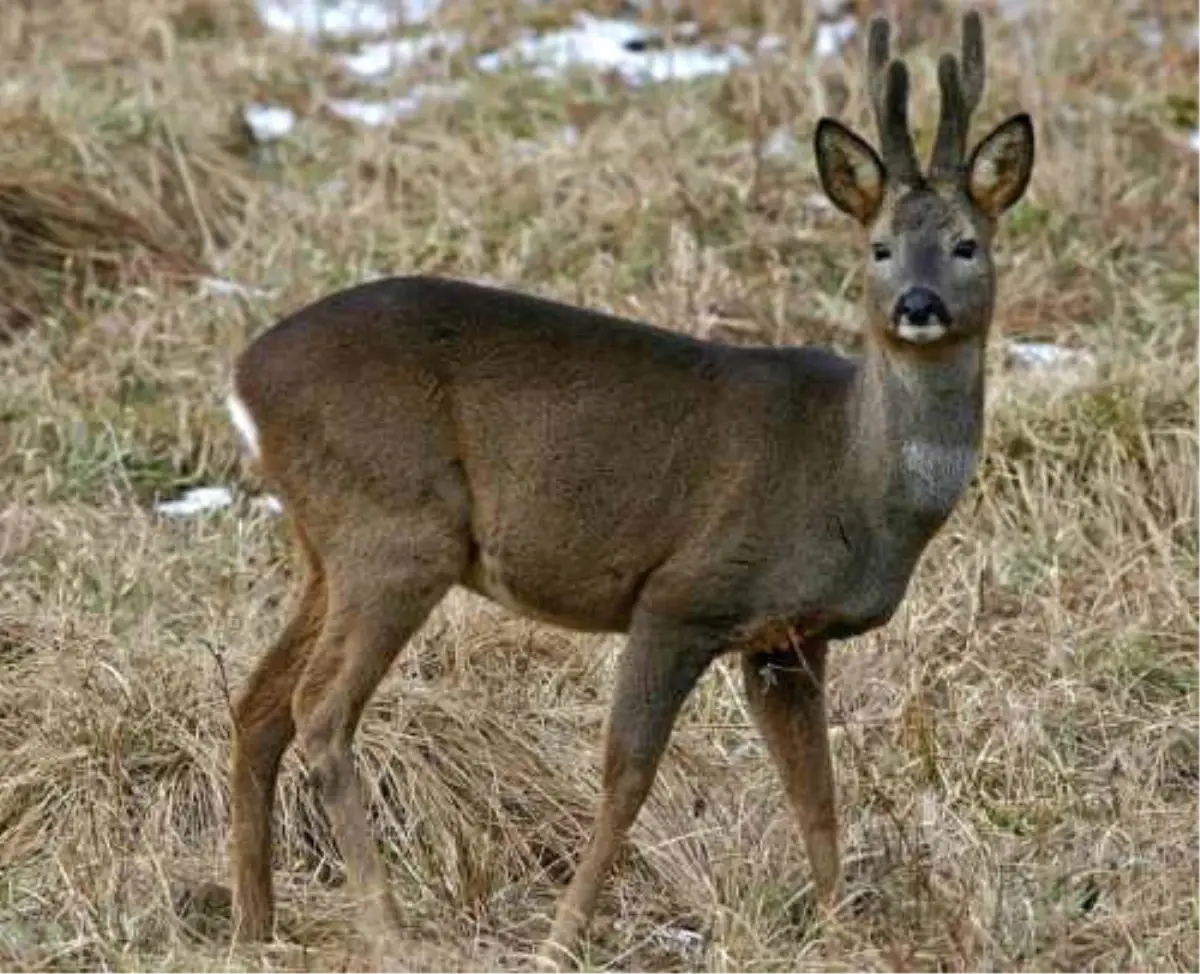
x,y
918,305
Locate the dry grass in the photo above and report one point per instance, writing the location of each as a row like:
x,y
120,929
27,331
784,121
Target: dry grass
x,y
1017,751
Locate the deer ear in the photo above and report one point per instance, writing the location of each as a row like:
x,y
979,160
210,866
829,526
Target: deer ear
x,y
1000,166
851,171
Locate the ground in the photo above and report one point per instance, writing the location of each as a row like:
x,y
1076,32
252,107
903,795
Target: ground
x,y
1016,751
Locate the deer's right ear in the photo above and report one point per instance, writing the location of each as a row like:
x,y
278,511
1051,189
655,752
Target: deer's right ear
x,y
851,171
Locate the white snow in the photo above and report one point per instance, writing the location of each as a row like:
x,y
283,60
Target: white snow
x,y
387,57
343,18
1049,365
781,144
1151,34
1043,355
269,503
833,36
635,53
268,123
419,11
611,45
223,287
1194,140
1013,10
204,500
386,112
198,500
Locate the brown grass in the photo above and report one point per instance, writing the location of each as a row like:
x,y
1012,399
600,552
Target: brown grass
x,y
1016,751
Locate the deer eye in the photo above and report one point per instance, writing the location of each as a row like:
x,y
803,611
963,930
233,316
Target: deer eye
x,y
966,249
881,251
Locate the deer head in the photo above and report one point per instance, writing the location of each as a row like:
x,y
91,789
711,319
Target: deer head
x,y
930,276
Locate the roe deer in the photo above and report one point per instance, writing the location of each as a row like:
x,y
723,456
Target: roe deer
x,y
606,475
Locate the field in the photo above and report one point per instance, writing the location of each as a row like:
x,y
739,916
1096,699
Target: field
x,y
1016,751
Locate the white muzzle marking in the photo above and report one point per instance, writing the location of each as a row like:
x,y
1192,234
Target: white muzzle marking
x,y
921,334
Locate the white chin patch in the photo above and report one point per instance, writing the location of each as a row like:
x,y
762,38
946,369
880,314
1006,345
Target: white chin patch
x,y
921,334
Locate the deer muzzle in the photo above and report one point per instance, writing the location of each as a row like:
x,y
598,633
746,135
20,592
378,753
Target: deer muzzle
x,y
921,316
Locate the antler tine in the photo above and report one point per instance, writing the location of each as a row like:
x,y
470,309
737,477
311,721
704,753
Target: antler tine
x,y
973,63
887,82
878,55
961,91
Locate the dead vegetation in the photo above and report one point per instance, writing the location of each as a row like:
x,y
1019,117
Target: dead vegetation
x,y
1017,751
82,217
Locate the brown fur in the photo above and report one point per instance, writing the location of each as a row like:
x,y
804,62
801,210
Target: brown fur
x,y
612,476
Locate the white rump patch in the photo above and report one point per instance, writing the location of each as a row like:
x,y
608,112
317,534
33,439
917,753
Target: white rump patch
x,y
244,423
920,334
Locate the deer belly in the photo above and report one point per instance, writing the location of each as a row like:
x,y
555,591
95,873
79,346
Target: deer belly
x,y
595,602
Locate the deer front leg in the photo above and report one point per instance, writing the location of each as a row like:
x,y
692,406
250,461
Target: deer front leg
x,y
656,673
786,693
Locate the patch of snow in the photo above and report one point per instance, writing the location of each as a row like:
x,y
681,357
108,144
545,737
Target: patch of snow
x,y
1042,355
343,18
612,45
377,113
747,750
419,11
1013,10
770,43
1047,362
832,37
681,937
314,18
269,123
748,39
564,138
1151,34
818,201
220,286
203,500
385,57
198,500
332,187
1194,140
269,503
223,287
781,144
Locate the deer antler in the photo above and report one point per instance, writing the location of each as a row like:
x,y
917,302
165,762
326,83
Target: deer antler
x,y
887,81
961,92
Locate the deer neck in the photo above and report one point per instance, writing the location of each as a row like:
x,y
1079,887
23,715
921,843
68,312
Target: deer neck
x,y
919,422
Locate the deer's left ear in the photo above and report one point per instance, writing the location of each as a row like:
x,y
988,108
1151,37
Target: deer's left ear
x,y
999,169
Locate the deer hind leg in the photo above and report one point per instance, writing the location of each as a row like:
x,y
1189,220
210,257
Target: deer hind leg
x,y
786,694
657,671
391,579
262,730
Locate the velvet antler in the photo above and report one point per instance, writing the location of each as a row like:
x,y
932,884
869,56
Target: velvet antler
x,y
961,88
887,81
